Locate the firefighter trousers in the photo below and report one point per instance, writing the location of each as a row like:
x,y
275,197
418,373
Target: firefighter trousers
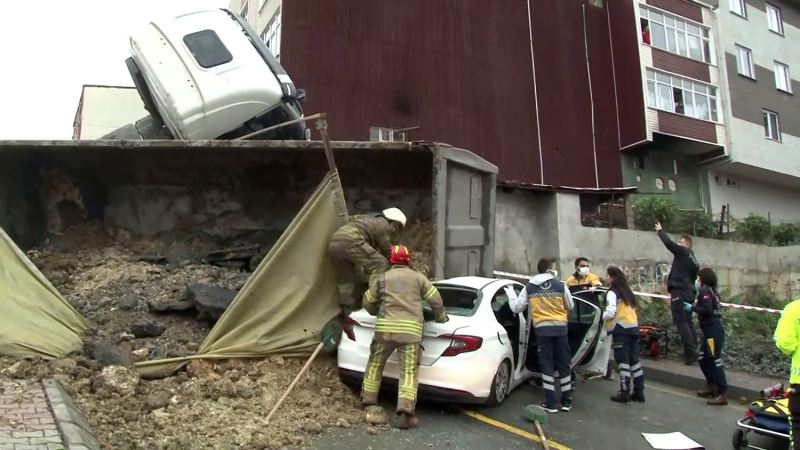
x,y
349,254
379,352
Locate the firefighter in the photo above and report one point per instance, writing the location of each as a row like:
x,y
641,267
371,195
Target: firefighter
x,y
396,297
549,301
623,324
709,315
582,275
680,284
787,339
363,243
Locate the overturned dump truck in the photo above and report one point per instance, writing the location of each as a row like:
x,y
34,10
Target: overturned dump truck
x,y
207,75
242,194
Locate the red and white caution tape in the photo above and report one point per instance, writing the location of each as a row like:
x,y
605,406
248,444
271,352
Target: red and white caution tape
x,y
521,277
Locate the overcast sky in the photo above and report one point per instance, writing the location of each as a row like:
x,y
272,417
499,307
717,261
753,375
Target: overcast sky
x,y
50,48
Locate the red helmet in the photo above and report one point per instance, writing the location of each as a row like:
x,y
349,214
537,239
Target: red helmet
x,y
399,254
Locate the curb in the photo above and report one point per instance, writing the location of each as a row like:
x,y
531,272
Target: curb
x,y
661,373
75,430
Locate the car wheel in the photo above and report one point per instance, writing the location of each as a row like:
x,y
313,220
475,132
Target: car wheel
x,y
501,384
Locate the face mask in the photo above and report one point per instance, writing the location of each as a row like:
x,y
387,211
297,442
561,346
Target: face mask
x,y
554,272
583,271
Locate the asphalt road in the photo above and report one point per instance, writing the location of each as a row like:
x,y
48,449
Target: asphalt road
x,y
594,423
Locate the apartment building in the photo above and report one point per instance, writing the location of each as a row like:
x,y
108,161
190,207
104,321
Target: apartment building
x,y
680,81
759,51
265,17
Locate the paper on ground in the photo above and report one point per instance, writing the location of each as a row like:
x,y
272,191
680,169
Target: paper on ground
x,y
671,441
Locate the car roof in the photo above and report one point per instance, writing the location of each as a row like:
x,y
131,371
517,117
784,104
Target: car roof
x,y
472,282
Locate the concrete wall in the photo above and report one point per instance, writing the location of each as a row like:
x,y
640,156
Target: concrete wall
x,y
525,229
752,195
639,253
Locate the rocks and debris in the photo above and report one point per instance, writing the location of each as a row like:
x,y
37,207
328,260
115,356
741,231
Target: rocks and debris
x,y
210,301
116,379
212,404
108,354
146,330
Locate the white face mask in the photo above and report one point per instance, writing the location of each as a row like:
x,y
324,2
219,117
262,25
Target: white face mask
x,y
583,271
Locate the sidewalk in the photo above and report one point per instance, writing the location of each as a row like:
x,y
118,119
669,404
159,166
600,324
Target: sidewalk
x,y
41,416
26,421
677,374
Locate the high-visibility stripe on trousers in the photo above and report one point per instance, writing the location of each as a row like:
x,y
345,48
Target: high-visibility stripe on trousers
x,y
408,355
626,353
553,354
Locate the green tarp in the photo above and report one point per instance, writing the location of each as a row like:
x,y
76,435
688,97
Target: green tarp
x,y
35,320
288,299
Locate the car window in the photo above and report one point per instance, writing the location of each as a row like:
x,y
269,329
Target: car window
x,y
583,312
459,301
499,299
207,48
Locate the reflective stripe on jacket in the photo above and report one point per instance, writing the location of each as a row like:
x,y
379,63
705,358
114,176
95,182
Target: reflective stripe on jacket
x,y
396,297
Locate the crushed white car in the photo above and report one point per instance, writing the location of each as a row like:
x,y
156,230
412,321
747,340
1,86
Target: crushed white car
x,y
483,352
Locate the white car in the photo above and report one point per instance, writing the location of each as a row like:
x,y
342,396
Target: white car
x,y
483,352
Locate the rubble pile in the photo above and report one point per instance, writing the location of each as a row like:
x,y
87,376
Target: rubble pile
x,y
149,299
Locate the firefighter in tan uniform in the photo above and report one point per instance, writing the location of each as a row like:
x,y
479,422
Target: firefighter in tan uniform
x,y
363,243
396,298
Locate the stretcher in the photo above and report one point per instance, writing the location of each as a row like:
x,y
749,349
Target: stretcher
x,y
765,417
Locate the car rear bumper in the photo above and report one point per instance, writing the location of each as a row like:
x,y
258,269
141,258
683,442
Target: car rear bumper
x,y
435,393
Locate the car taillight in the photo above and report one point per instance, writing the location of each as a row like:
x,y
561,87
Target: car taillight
x,y
461,344
347,327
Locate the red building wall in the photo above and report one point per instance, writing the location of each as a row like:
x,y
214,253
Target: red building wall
x,y
461,70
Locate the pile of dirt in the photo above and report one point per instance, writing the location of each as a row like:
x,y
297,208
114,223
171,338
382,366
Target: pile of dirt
x,y
211,405
114,280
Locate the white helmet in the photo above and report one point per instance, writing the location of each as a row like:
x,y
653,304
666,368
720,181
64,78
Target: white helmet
x,y
395,215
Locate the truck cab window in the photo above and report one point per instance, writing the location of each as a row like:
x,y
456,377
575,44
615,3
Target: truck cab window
x,y
207,49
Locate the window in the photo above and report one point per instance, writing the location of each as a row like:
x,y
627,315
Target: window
x,y
681,96
207,48
774,19
272,35
772,127
385,134
782,79
738,7
745,62
244,10
675,34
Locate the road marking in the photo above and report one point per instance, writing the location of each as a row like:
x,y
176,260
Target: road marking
x,y
512,429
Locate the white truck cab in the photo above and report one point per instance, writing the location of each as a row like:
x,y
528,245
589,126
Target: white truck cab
x,y
207,75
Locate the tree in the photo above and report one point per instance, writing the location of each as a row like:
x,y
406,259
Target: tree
x,y
785,233
649,210
754,229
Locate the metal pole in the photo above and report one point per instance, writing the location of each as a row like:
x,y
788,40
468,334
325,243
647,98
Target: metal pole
x,y
322,127
280,125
